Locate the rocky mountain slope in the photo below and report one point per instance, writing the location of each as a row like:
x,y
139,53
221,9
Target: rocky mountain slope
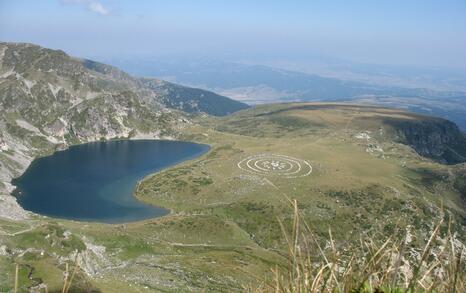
x,y
354,170
49,100
435,138
174,96
186,99
224,231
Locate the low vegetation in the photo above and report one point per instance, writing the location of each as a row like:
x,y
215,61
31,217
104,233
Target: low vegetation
x,y
230,230
376,264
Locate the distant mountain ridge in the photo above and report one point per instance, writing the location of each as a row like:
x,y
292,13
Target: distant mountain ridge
x,y
259,84
187,99
351,170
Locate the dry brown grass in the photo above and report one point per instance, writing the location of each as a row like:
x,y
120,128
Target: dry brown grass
x,y
376,264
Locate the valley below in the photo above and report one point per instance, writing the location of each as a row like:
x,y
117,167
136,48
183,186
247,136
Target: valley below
x,y
355,174
224,228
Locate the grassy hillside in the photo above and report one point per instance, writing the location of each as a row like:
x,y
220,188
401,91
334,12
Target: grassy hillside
x,y
226,229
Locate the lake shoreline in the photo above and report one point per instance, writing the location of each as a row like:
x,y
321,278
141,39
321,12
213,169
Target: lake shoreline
x,y
12,210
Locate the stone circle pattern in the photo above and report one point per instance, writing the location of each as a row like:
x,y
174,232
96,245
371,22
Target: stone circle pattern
x,y
276,165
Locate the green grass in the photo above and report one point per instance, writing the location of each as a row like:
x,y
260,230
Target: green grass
x,y
224,231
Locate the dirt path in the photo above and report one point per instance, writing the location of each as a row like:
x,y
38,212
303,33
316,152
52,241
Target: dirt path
x,y
31,227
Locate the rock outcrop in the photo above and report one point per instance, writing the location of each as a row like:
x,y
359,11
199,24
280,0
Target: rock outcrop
x,y
49,100
435,138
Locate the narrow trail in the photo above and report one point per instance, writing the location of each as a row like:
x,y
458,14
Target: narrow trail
x,y
208,245
31,227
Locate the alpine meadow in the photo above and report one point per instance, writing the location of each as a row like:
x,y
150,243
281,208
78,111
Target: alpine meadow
x,y
244,146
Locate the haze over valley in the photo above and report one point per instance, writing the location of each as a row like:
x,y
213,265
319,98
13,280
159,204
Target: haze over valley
x,y
212,146
437,91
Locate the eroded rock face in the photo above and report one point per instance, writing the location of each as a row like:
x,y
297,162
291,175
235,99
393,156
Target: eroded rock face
x,y
434,138
50,100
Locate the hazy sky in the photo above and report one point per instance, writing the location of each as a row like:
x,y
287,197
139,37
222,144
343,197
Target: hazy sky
x,y
405,32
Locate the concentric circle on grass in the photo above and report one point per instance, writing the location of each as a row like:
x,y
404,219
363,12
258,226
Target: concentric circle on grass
x,y
276,165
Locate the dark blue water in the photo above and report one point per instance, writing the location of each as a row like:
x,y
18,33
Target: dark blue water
x,y
95,181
